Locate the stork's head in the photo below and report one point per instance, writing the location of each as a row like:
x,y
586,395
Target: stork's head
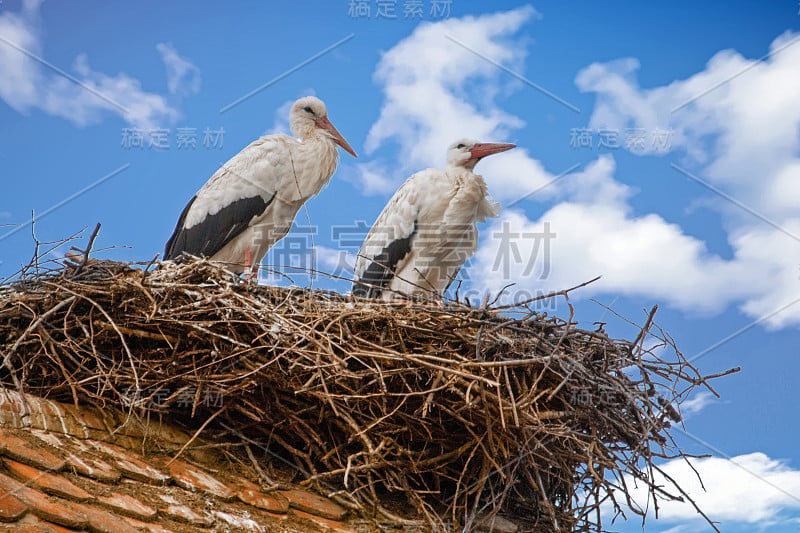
x,y
309,117
466,153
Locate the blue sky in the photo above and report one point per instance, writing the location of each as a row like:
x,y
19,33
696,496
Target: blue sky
x,y
677,125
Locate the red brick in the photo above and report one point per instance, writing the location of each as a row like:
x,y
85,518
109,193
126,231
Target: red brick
x,y
191,478
269,501
45,482
46,508
314,504
128,505
28,453
11,509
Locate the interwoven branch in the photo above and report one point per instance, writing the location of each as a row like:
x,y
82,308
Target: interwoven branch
x,y
449,412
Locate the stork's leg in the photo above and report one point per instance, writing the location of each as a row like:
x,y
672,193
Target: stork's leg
x,y
255,268
248,260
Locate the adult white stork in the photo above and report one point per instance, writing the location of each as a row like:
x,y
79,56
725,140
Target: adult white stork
x,y
250,203
428,229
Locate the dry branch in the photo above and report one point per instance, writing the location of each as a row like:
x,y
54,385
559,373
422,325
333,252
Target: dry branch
x,y
448,411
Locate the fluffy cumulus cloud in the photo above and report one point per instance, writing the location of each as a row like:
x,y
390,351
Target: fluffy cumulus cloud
x,y
727,134
183,77
737,125
437,90
594,232
738,119
750,489
82,96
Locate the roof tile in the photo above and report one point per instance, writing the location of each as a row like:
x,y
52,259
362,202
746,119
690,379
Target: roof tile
x,y
49,438
144,526
53,509
314,504
326,524
49,483
24,452
191,478
269,501
130,466
128,505
11,509
93,468
31,524
101,521
140,471
49,526
183,513
112,486
240,522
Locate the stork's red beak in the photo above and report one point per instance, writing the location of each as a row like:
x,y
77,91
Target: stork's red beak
x,y
325,124
483,149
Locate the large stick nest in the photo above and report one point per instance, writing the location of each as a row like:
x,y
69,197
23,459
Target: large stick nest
x,y
450,413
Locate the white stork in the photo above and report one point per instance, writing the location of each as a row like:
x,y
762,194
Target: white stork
x,y
428,229
250,203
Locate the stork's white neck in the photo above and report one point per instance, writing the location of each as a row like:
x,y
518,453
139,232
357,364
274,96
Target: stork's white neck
x,y
314,161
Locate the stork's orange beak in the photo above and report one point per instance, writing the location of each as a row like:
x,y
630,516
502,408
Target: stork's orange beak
x,y
483,149
325,124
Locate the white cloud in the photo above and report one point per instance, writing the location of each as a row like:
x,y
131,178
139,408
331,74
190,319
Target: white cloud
x,y
745,130
425,79
748,489
335,261
183,77
437,91
375,178
597,234
27,84
697,403
744,138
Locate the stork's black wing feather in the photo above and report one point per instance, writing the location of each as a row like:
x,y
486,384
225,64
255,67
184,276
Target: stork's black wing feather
x,y
171,247
382,268
215,231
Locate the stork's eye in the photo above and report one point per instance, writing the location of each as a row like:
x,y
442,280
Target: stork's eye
x,y
308,109
462,145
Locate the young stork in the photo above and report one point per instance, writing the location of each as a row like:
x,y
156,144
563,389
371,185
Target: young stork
x,y
428,229
250,203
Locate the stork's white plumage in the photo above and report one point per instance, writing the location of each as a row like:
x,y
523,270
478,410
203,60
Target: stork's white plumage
x,y
428,229
250,203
